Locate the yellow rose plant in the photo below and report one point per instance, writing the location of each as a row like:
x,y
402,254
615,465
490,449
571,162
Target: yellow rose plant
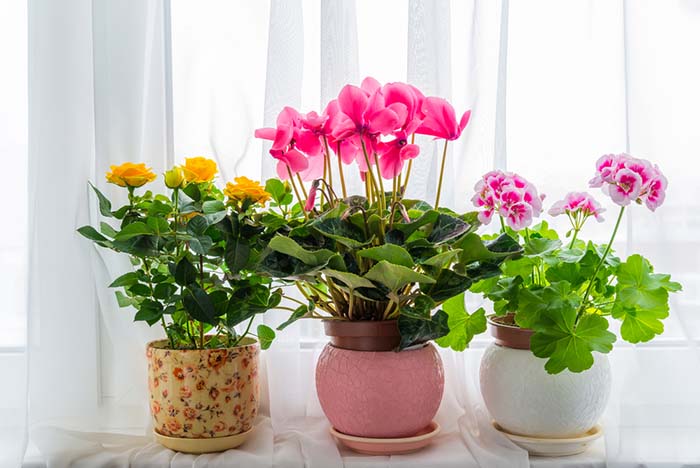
x,y
194,249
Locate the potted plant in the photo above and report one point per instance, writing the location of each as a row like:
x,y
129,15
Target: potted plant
x,y
547,375
375,265
194,250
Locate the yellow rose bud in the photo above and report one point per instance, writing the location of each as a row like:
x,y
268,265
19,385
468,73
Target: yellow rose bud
x,y
246,189
130,174
174,178
199,169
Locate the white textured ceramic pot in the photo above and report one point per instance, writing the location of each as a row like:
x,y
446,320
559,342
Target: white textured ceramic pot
x,y
524,399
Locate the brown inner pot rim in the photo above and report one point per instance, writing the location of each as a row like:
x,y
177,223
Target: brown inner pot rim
x,y
507,333
157,344
363,335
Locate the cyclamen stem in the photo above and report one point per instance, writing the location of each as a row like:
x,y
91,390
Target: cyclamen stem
x,y
408,170
600,264
442,172
340,171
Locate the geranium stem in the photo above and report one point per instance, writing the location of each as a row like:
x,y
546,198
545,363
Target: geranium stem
x,y
584,302
442,172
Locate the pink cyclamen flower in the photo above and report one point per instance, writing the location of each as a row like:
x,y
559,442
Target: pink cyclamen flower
x,y
575,203
440,120
511,196
627,179
284,142
311,200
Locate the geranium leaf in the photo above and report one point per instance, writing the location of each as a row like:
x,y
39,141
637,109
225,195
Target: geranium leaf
x,y
641,300
463,326
569,346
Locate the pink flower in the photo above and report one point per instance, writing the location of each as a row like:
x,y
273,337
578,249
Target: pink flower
x,y
511,196
578,202
440,120
394,153
284,141
626,179
311,200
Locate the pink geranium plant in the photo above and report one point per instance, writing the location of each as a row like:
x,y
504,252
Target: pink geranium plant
x,y
565,292
377,255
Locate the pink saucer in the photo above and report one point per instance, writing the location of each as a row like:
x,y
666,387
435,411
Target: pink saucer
x,y
397,446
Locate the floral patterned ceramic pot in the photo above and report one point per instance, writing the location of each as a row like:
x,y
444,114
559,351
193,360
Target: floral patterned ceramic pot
x,y
203,400
377,394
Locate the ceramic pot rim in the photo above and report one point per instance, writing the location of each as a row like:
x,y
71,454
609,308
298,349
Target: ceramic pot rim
x,y
246,342
363,335
510,336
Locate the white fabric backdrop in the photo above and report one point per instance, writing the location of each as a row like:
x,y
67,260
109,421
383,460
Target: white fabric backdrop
x,y
552,86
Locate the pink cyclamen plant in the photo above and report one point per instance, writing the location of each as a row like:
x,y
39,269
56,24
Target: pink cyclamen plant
x,y
372,126
508,195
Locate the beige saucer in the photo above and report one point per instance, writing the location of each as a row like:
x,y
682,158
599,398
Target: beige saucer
x,y
545,447
388,446
202,445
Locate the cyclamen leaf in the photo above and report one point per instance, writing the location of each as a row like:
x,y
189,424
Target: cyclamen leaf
x,y
446,228
389,252
415,331
395,277
463,326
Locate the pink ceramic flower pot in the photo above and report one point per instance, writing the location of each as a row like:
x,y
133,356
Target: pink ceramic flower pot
x,y
380,394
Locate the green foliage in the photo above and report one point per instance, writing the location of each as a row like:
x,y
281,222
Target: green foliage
x,y
565,293
196,256
463,326
357,261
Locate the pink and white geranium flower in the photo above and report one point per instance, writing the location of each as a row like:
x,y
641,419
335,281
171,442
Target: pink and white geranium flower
x,y
509,195
627,179
578,204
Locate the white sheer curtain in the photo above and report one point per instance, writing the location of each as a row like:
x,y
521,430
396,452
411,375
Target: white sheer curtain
x,y
552,86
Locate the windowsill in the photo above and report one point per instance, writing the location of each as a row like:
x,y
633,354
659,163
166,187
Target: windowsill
x,y
594,457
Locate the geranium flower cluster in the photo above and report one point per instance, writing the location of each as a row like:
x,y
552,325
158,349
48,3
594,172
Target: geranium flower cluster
x,y
370,125
627,179
508,195
578,205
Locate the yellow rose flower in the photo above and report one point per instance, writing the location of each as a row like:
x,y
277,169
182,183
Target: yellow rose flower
x,y
174,178
199,169
246,189
130,174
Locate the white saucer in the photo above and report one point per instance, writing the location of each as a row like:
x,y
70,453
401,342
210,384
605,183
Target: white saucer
x,y
545,447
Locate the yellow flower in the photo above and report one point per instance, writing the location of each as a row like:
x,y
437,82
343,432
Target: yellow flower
x,y
130,174
244,188
199,169
174,178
